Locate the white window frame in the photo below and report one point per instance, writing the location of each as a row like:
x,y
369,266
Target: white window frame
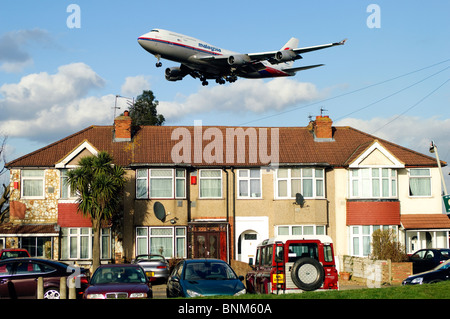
x,y
175,237
314,178
203,178
64,184
361,192
362,234
411,177
174,181
77,234
293,229
23,179
249,179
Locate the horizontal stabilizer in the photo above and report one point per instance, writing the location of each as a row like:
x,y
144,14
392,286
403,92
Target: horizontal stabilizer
x,y
301,68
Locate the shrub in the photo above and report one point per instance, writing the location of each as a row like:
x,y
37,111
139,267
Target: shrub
x,y
385,246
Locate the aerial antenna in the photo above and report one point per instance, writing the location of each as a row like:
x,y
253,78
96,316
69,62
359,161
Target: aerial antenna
x,y
322,110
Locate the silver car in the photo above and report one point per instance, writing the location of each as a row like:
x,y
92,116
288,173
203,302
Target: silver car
x,y
156,267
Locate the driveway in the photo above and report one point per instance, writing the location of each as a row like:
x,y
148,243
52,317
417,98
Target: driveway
x,y
159,291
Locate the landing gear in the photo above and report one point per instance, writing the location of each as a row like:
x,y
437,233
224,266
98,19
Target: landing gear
x,y
220,81
158,64
231,78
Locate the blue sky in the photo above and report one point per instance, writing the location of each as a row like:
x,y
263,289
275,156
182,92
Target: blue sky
x,y
390,81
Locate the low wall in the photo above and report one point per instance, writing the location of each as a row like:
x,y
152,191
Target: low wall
x,y
375,272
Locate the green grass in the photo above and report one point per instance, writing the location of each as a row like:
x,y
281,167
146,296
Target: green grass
x,y
427,291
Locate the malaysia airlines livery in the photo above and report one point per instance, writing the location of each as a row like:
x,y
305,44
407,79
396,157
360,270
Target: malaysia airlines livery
x,y
205,61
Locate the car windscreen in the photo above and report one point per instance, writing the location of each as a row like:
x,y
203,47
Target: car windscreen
x,y
118,275
208,271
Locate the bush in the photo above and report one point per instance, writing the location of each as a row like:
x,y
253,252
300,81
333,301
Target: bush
x,y
385,246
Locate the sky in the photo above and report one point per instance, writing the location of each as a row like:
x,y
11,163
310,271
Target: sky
x,y
62,64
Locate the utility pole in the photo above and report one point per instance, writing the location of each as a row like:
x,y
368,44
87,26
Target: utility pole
x,y
445,197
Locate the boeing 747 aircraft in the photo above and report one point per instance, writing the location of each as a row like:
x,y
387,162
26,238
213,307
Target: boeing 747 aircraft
x,y
205,61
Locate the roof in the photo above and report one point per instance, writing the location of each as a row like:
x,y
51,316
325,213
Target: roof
x,y
425,221
153,145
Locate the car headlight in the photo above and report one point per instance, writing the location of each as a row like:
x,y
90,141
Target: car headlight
x,y
417,280
138,295
240,292
192,293
95,296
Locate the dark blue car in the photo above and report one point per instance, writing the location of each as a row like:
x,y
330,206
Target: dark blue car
x,y
204,277
440,273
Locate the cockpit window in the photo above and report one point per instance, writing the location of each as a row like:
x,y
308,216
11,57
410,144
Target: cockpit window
x,y
154,30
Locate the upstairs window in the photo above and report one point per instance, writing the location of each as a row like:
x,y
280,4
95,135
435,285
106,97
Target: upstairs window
x,y
249,183
420,182
310,182
373,183
32,183
160,183
210,183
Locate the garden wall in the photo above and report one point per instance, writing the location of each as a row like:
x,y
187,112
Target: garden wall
x,y
375,272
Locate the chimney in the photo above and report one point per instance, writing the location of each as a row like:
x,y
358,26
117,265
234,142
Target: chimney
x,y
323,130
122,128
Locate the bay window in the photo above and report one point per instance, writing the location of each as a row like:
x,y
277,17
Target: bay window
x,y
361,238
76,243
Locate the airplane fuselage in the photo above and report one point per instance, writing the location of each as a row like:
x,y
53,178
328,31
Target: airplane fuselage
x,y
205,61
189,51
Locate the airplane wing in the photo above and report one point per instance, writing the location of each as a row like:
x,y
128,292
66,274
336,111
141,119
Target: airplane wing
x,y
286,55
274,57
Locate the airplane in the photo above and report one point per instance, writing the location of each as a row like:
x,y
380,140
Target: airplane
x,y
205,61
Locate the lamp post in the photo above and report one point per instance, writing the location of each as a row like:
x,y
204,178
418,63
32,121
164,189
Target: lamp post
x,y
445,197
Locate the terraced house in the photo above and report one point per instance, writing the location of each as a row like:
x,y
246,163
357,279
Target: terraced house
x,y
217,191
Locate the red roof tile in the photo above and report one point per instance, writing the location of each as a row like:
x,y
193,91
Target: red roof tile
x,y
425,221
154,144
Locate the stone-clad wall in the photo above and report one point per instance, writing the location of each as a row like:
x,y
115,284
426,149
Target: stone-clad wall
x,y
35,211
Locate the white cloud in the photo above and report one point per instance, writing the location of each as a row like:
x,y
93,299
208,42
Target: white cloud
x,y
134,85
46,106
255,96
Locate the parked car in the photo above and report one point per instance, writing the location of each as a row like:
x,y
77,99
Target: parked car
x,y
427,259
440,273
13,253
18,277
118,281
204,277
156,267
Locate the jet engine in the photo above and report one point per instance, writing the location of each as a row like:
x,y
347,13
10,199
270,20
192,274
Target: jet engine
x,y
174,74
285,55
238,59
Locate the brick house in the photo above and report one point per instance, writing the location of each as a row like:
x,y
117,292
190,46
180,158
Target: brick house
x,y
199,191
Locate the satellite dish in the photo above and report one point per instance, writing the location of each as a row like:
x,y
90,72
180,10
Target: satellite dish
x,y
160,211
299,200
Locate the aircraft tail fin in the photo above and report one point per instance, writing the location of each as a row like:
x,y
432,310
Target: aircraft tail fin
x,y
291,44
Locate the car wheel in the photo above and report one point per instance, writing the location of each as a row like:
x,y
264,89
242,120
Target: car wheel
x,y
52,293
307,274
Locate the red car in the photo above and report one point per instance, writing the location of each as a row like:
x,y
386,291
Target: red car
x,y
13,253
18,277
118,281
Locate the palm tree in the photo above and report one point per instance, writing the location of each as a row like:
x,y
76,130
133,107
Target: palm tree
x,y
99,184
